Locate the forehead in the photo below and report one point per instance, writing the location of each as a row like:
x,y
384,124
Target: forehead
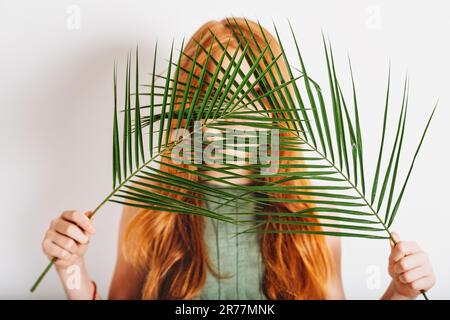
x,y
244,66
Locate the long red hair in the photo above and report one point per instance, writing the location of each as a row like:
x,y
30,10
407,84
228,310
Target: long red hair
x,y
169,248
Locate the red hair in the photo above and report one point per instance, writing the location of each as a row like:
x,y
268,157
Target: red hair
x,y
169,248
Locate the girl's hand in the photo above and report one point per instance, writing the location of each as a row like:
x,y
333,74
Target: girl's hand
x,y
67,237
410,269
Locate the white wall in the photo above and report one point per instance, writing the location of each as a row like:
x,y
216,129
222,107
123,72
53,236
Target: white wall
x,y
56,103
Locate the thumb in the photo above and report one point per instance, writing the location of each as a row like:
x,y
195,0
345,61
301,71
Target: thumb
x,y
88,214
396,238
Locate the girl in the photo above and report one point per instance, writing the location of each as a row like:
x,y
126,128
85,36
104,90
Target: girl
x,y
165,255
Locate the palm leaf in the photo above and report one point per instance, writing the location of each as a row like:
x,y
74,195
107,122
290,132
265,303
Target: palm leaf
x,y
325,133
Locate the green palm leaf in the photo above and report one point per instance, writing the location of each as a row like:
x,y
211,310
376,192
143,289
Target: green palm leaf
x,y
326,132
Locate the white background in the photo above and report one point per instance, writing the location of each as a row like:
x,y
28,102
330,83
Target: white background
x,y
56,115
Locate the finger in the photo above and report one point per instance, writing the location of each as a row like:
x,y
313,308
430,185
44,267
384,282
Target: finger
x,y
402,249
71,230
395,237
81,219
425,283
55,251
62,241
410,262
413,275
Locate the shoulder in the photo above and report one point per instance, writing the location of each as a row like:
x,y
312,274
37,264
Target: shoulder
x,y
335,285
334,242
128,212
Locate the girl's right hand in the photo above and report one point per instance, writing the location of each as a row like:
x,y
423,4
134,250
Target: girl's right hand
x,y
68,237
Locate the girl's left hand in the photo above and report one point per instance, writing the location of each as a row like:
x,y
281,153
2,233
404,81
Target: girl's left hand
x,y
410,269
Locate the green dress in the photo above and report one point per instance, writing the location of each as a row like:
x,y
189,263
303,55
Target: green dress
x,y
235,256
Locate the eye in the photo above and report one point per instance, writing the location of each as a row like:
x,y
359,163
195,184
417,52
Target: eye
x,y
258,90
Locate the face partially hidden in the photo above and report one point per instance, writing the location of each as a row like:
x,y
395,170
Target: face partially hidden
x,y
237,152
